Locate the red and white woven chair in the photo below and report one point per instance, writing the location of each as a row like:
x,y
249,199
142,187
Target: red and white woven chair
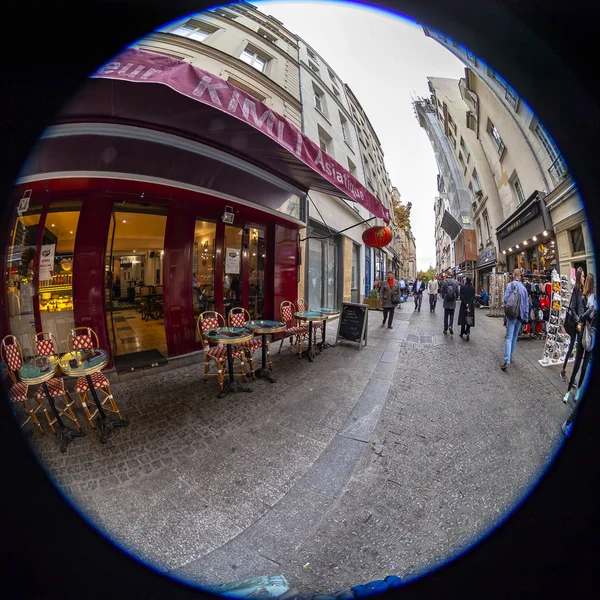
x,y
287,310
46,345
317,325
211,319
12,355
237,317
82,338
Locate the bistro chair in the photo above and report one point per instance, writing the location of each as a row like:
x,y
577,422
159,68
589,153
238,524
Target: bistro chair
x,y
146,301
46,345
208,320
287,310
237,317
83,338
137,297
12,355
317,325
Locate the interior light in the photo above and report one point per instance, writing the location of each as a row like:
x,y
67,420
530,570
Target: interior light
x,y
254,254
517,246
525,243
134,250
263,255
70,232
503,251
124,221
545,232
535,238
52,224
510,249
162,252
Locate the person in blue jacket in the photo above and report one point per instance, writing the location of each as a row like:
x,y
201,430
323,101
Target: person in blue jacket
x,y
513,326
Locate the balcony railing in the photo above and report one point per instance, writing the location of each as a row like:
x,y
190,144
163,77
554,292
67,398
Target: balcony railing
x,y
558,170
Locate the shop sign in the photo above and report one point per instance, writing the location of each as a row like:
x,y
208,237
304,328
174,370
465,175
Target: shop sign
x,y
524,218
143,66
232,261
487,256
24,203
47,262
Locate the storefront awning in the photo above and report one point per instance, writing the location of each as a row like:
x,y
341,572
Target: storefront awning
x,y
214,111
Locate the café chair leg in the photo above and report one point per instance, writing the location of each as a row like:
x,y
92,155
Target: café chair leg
x,y
251,362
33,416
243,369
68,411
206,368
220,374
90,416
281,345
110,398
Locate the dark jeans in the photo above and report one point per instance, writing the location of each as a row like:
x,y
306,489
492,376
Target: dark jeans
x,y
465,329
432,301
448,318
388,312
418,300
574,337
579,354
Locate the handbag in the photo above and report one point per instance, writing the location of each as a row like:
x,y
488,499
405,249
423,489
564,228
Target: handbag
x,y
395,298
469,318
588,337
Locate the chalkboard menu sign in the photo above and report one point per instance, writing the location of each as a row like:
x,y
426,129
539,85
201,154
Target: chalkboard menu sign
x,y
353,323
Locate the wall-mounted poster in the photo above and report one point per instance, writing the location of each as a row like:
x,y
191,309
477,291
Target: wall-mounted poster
x,y
232,261
47,262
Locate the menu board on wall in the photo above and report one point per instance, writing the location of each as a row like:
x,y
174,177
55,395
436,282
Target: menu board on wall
x,y
47,262
232,261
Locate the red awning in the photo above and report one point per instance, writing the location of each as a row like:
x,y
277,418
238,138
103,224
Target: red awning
x,y
208,108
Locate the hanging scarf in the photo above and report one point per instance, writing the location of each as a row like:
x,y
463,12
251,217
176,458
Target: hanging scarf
x,y
391,282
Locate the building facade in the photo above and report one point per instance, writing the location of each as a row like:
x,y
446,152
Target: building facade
x,y
543,225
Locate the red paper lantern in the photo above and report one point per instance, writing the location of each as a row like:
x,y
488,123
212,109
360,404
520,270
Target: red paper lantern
x,y
377,237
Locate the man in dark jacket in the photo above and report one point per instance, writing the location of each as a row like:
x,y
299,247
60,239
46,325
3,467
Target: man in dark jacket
x,y
418,289
450,293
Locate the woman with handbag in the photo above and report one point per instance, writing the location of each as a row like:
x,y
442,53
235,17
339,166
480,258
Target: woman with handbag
x,y
574,311
466,313
390,298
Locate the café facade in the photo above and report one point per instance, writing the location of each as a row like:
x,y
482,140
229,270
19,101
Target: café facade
x,y
158,174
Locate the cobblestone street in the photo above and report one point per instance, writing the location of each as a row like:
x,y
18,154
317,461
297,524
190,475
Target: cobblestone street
x,y
363,464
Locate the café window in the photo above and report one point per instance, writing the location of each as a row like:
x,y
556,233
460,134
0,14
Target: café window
x,y
203,268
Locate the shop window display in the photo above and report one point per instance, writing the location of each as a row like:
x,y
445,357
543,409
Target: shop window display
x,y
203,268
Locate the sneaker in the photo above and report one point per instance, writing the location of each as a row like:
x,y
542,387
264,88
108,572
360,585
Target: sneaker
x,y
563,376
390,327
451,331
468,336
460,335
504,366
445,331
566,397
383,324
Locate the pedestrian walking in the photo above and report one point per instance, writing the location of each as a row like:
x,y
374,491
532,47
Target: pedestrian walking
x,y
450,295
466,313
418,289
576,308
432,289
516,309
390,297
582,353
402,285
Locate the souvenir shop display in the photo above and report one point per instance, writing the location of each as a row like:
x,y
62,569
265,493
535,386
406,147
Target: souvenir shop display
x,y
557,339
539,304
497,287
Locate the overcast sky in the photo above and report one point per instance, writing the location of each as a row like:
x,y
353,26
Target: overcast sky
x,y
384,59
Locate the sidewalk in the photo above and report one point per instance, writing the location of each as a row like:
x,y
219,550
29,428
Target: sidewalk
x,y
363,464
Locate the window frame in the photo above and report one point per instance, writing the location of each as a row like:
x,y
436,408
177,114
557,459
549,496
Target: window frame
x,y
488,226
477,182
194,28
256,54
464,148
578,230
518,187
496,138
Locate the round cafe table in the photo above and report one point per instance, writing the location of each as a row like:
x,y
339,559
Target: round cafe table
x,y
310,316
73,364
229,336
330,312
264,328
40,370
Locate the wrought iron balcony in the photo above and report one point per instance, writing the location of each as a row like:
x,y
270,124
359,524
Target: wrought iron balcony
x,y
558,170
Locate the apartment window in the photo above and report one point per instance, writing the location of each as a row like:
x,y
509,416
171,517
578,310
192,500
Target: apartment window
x,y
495,135
472,192
254,59
351,168
452,124
518,189
440,104
324,140
225,13
267,35
194,30
479,234
335,89
319,99
345,130
547,142
577,241
465,149
313,67
452,141
488,228
331,75
476,181
463,164
311,54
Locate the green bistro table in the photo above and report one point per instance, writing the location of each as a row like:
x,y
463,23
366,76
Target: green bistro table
x,y
40,370
229,336
330,312
78,364
310,316
264,328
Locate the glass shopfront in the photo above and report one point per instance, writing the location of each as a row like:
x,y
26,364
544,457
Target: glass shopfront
x,y
323,260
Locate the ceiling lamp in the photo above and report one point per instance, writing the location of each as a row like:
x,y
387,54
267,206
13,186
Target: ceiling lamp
x,y
517,246
503,251
545,232
535,238
510,249
124,221
525,243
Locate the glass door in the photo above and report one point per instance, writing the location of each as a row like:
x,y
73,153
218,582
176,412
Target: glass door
x,y
232,269
323,261
355,272
134,277
203,269
256,273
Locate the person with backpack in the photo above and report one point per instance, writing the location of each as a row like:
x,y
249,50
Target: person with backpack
x,y
516,309
450,296
390,298
403,291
